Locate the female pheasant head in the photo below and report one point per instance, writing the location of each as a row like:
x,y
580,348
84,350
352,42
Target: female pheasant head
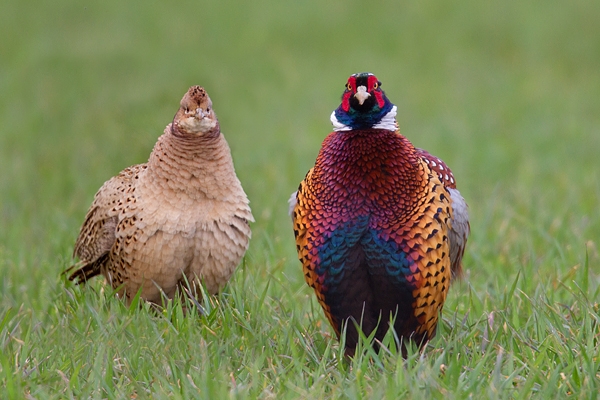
x,y
195,115
364,105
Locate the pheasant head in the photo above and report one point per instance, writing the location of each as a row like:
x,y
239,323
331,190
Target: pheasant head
x,y
364,105
195,115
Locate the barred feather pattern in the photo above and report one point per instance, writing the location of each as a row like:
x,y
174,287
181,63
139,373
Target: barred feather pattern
x,y
181,218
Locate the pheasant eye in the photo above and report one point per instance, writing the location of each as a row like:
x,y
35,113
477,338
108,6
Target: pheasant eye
x,y
375,85
348,86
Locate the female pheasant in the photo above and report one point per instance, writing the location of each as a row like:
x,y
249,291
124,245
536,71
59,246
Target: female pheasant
x,y
178,219
380,227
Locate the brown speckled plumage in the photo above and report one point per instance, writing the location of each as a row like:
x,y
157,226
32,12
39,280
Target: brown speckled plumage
x,y
181,216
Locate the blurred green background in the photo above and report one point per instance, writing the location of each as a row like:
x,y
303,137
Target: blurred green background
x,y
507,93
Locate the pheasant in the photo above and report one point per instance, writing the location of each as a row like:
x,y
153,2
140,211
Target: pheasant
x,y
380,227
181,218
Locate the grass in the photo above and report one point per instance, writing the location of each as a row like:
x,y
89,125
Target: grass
x,y
508,94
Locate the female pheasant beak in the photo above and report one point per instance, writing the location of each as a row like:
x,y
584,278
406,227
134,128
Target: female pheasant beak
x,y
362,94
195,115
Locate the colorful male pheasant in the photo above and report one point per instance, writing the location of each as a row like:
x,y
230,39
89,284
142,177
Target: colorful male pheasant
x,y
179,219
380,226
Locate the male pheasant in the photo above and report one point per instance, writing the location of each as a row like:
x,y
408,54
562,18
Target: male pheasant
x,y
379,224
180,218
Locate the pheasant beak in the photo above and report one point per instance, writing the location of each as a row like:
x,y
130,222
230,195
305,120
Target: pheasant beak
x,y
200,114
362,94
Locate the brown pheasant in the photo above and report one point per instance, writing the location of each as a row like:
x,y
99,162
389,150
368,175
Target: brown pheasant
x,y
182,216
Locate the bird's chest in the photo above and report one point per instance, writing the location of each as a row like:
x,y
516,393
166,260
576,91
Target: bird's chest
x,y
175,212
359,179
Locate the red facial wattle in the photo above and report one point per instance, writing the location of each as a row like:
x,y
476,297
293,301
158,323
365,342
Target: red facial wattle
x,y
371,82
373,87
350,91
346,100
379,97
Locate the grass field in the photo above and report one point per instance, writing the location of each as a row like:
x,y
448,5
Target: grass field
x,y
507,93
